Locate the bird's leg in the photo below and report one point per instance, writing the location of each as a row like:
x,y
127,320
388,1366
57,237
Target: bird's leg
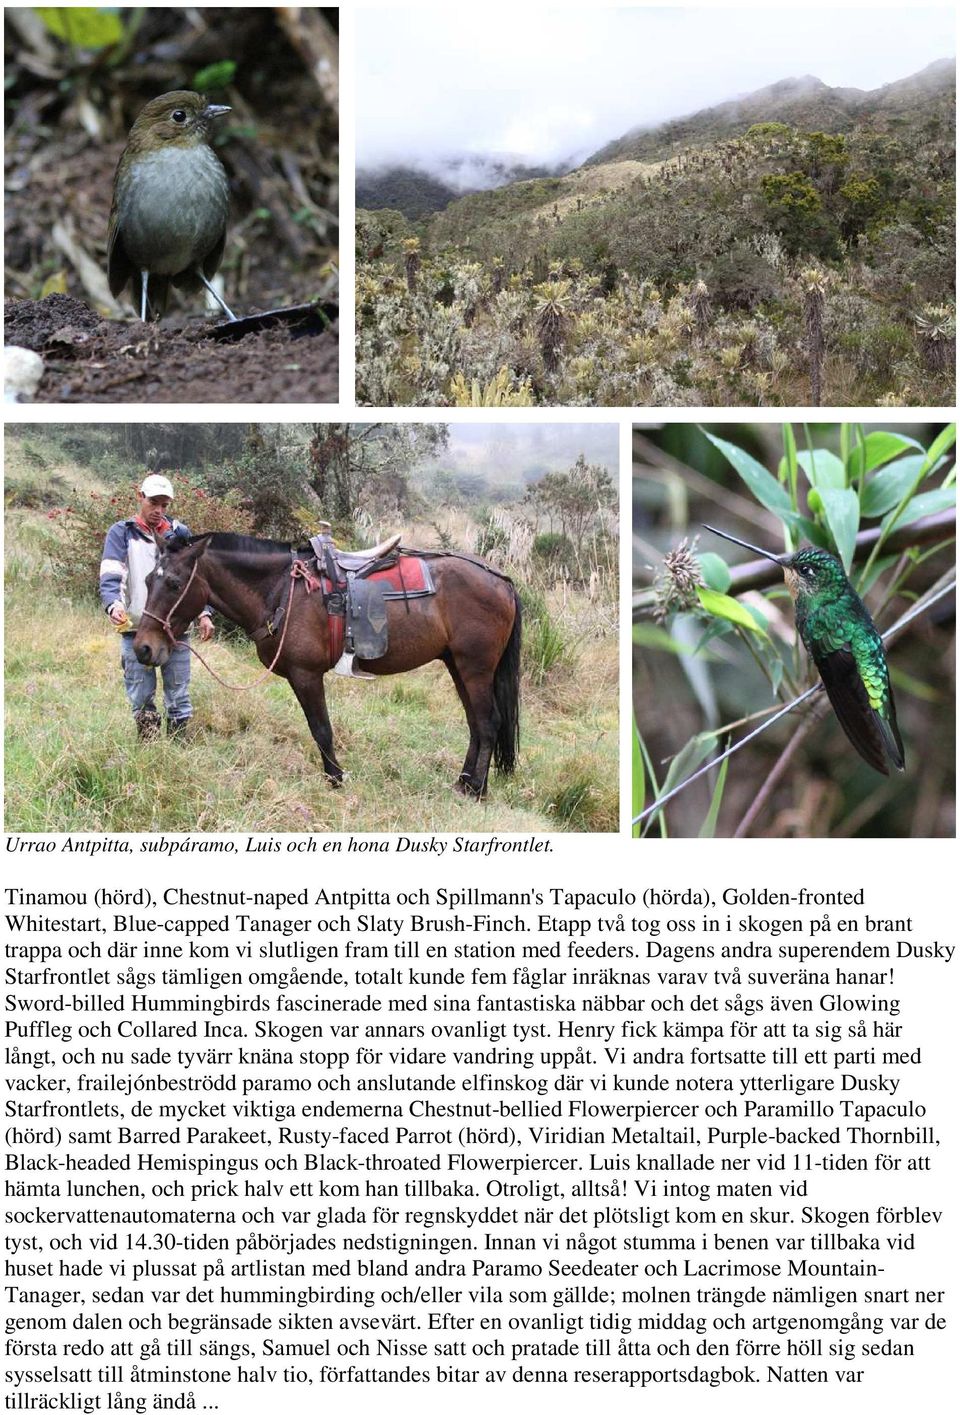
x,y
221,302
144,282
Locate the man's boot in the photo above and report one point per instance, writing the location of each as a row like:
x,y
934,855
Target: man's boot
x,y
178,728
148,724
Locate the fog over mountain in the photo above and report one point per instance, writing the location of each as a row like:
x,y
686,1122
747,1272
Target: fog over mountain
x,y
419,187
512,452
442,90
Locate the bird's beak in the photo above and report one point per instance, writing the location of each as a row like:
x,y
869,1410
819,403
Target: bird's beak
x,y
214,110
777,559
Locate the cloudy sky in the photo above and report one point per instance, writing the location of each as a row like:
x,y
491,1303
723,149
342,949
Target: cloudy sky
x,y
544,84
506,450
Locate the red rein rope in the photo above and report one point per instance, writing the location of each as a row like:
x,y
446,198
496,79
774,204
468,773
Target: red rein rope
x,y
298,571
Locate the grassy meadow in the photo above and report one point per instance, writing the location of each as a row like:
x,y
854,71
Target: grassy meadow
x,y
73,762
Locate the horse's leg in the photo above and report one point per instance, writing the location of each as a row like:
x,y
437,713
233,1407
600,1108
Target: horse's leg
x,y
476,689
312,698
470,760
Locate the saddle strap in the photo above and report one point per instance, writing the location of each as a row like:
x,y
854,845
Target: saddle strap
x,y
299,570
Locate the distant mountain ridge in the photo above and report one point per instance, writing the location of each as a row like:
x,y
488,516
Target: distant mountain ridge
x,y
804,102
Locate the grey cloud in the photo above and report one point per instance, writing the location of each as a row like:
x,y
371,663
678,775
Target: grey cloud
x,y
542,85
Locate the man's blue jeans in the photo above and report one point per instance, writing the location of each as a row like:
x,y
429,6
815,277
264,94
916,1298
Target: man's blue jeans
x,y
140,681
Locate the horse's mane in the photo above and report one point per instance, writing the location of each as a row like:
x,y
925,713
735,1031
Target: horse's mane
x,y
252,545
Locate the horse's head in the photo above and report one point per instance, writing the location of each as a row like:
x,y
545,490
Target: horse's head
x,y
177,591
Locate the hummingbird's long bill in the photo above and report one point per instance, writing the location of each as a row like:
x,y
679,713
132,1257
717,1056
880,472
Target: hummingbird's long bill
x,y
777,560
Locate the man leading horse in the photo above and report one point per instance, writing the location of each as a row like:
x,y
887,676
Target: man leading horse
x,y
129,555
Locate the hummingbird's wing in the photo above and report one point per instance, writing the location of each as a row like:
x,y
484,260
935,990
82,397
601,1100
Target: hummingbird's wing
x,y
872,731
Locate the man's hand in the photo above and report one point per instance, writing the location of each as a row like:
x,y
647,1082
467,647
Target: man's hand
x,y
117,613
205,625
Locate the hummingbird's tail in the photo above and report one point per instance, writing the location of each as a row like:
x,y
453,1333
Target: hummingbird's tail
x,y
871,726
890,733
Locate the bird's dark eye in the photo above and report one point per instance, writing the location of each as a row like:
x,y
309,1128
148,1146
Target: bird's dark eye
x,y
179,115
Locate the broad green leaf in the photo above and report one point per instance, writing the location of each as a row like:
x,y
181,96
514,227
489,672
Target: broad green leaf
x,y
214,76
796,523
842,510
716,629
926,504
81,25
888,488
638,778
651,636
760,620
708,829
822,469
762,483
876,570
725,607
715,570
688,759
815,534
876,449
942,444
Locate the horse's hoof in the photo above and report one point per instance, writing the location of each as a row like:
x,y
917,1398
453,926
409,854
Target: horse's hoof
x,y
334,782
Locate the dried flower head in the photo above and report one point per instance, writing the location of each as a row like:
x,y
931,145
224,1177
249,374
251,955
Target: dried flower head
x,y
676,583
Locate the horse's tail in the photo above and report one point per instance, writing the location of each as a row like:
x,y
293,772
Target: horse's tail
x,y
506,693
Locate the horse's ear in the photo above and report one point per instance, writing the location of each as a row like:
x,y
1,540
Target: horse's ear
x,y
195,544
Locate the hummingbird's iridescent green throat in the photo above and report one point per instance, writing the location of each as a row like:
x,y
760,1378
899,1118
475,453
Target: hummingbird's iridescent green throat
x,y
844,643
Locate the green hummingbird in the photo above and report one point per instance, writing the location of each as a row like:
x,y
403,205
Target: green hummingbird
x,y
842,639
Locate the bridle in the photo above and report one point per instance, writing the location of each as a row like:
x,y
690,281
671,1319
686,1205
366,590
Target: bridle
x,y
298,571
165,624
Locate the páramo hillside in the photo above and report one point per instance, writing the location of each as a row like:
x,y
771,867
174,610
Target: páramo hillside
x,y
792,248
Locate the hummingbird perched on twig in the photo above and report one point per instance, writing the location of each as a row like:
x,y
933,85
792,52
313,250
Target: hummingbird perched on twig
x,y
843,641
168,222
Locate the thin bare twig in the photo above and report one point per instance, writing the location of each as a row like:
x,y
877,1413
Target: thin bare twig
x,y
775,773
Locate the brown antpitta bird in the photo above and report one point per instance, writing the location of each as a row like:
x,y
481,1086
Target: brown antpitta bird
x,y
168,221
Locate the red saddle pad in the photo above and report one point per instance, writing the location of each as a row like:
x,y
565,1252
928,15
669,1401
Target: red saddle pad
x,y
409,574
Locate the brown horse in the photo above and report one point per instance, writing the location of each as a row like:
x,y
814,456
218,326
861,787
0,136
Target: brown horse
x,y
471,623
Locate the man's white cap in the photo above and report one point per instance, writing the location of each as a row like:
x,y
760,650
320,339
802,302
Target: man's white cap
x,y
155,485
